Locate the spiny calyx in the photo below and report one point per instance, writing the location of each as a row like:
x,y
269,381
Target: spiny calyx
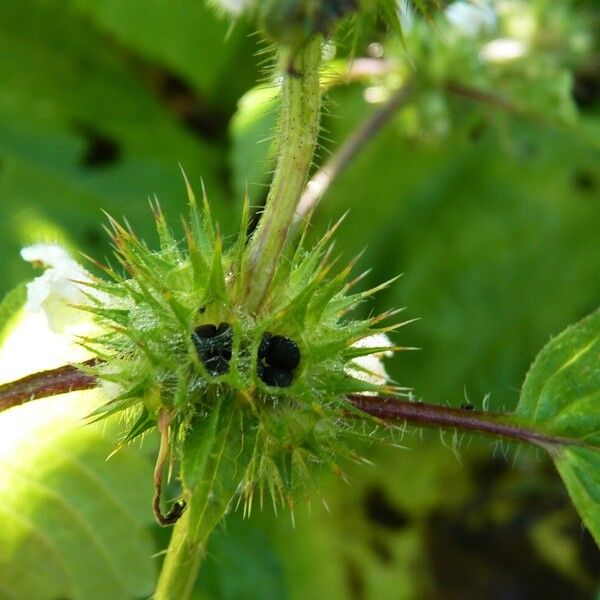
x,y
275,378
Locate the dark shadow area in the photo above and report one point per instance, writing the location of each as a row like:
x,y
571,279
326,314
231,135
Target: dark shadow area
x,y
189,108
586,88
381,511
100,151
486,549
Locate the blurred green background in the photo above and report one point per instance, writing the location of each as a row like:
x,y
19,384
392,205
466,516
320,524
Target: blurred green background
x,y
492,215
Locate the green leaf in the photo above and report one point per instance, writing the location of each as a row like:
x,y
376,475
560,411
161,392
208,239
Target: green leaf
x,y
252,149
561,396
580,470
87,95
241,564
73,524
561,392
10,308
204,50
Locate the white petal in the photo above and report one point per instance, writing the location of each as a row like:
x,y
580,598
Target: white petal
x,y
31,346
49,255
471,19
502,50
370,367
377,340
234,7
56,290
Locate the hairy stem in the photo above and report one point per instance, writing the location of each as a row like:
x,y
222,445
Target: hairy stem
x,y
182,562
297,132
207,493
432,415
70,378
62,380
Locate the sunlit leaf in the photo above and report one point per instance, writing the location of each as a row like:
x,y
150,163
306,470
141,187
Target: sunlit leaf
x,y
74,524
10,307
251,130
561,396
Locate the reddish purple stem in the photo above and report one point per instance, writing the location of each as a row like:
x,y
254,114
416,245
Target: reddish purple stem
x,y
62,380
69,378
431,415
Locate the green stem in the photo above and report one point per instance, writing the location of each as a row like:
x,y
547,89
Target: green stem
x,y
328,172
182,562
210,460
187,547
296,137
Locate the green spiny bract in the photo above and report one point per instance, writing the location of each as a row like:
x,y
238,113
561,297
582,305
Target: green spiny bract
x,y
153,362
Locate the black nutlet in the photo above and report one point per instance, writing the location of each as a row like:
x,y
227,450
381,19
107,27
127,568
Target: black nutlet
x,y
206,331
278,357
283,353
213,344
265,345
274,377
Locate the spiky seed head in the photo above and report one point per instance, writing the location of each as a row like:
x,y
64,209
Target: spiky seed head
x,y
178,338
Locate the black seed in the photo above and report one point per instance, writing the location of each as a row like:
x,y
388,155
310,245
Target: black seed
x,y
467,406
214,346
275,377
283,353
198,344
278,356
265,344
206,331
217,365
223,328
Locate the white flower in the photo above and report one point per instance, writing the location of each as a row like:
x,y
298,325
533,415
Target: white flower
x,y
502,50
56,290
405,14
471,18
370,367
234,7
